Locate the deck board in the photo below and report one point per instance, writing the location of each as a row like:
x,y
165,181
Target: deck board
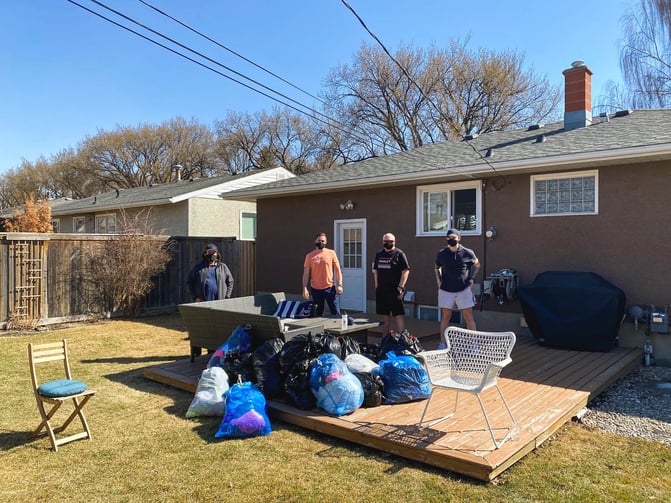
x,y
544,387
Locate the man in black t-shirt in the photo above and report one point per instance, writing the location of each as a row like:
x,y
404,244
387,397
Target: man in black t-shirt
x,y
390,273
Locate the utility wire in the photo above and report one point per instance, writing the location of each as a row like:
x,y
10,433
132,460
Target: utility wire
x,y
193,60
121,14
232,51
421,91
328,121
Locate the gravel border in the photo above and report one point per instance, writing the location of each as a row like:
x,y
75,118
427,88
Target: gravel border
x,y
638,405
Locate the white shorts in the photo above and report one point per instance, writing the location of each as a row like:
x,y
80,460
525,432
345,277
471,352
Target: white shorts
x,y
456,300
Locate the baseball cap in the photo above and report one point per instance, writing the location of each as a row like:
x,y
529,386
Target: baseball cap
x,y
453,232
211,247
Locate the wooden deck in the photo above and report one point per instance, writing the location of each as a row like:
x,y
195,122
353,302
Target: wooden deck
x,y
544,387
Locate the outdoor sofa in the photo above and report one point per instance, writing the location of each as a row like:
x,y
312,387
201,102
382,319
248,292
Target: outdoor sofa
x,y
211,323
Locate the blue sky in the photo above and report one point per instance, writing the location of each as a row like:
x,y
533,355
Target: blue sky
x,y
67,74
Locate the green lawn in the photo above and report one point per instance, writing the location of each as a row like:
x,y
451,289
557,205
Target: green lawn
x,y
143,449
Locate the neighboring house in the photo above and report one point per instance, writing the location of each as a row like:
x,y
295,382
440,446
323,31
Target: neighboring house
x,y
585,194
191,207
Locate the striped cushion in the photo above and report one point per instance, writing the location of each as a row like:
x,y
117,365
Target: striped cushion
x,y
287,308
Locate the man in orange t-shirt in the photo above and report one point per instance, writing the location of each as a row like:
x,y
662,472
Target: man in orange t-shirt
x,y
319,268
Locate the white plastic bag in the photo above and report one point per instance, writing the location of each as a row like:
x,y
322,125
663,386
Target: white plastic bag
x,y
359,363
209,398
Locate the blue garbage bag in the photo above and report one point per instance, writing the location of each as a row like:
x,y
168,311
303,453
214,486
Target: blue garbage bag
x,y
405,379
336,389
245,413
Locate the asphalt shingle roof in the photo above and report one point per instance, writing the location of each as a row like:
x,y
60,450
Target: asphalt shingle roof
x,y
640,128
147,195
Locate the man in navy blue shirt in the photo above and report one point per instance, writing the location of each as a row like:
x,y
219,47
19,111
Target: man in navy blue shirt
x,y
456,267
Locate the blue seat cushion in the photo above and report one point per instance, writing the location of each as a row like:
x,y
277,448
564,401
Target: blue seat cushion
x,y
61,387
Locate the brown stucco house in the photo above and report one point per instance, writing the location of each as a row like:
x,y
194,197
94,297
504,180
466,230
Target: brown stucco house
x,y
191,207
583,194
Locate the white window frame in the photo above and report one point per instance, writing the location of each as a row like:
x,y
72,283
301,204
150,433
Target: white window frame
x,y
242,215
106,216
563,176
449,188
76,222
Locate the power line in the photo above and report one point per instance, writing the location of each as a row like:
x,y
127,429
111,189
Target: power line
x,y
121,14
232,51
328,121
407,75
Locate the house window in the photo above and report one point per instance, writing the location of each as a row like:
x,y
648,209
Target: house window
x,y
247,225
55,225
565,194
106,224
79,224
352,248
455,205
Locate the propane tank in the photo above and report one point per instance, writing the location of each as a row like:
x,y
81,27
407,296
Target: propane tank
x,y
647,350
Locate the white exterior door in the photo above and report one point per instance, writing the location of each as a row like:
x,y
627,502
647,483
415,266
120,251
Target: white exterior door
x,y
350,246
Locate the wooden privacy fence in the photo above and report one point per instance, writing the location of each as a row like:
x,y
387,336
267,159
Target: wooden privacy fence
x,y
43,277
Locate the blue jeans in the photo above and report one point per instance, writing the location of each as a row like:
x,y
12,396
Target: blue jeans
x,y
328,295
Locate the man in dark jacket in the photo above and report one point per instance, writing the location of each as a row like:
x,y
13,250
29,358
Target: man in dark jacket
x,y
210,279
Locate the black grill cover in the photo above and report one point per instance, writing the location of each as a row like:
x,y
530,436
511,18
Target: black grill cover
x,y
573,310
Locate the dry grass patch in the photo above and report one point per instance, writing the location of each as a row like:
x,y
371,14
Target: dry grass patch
x,y
143,449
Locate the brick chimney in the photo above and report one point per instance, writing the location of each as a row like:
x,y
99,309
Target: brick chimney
x,y
577,96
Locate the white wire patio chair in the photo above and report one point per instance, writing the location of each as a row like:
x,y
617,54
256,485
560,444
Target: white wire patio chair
x,y
471,363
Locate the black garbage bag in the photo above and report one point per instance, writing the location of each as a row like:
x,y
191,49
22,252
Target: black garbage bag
x,y
301,347
330,344
297,385
370,351
238,364
399,343
266,362
348,346
373,388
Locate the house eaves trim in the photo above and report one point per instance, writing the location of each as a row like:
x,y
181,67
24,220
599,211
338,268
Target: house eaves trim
x,y
473,171
215,191
98,208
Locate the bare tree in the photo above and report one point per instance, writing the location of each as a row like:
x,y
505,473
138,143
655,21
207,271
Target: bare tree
x,y
281,139
121,269
135,157
645,58
434,95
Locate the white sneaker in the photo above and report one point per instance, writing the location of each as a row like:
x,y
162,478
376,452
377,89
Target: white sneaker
x,y
442,345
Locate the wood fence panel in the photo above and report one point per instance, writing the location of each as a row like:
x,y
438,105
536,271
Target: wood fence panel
x,y
69,295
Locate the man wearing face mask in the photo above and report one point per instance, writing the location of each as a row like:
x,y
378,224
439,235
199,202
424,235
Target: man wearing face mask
x,y
322,277
456,268
390,275
210,279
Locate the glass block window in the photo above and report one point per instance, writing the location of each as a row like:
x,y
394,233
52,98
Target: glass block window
x,y
441,207
565,194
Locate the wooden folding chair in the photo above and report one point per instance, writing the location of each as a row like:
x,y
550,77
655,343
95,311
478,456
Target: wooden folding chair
x,y
53,394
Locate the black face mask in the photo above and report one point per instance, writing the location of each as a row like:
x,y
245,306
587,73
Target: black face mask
x,y
212,257
320,245
452,242
388,246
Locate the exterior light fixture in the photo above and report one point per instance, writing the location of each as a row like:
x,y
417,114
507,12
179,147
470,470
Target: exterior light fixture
x,y
347,206
490,233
